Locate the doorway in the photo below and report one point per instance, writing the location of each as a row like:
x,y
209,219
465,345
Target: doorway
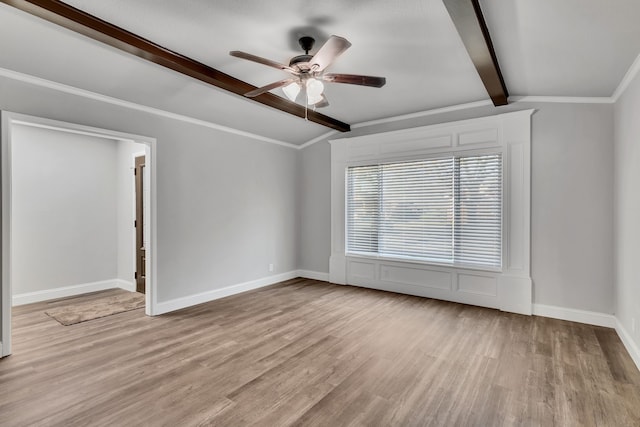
x,y
138,172
11,123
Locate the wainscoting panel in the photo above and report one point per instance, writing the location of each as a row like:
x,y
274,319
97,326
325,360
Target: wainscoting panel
x,y
478,284
361,270
416,276
446,283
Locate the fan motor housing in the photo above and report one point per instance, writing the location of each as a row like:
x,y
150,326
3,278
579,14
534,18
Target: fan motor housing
x,y
300,58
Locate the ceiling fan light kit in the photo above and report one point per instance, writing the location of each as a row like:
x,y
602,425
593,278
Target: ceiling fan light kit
x,y
308,72
291,90
314,91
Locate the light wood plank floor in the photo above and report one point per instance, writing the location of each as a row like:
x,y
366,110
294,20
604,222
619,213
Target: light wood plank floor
x,y
309,353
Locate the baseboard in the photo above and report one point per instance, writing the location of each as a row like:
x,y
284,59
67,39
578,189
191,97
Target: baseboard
x,y
629,344
126,285
65,291
315,275
574,315
191,300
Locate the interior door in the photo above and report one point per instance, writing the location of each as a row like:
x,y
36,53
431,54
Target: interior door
x,y
139,225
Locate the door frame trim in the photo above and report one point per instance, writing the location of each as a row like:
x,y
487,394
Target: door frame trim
x,y
133,213
8,120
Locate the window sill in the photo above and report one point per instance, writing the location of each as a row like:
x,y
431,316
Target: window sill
x,y
425,263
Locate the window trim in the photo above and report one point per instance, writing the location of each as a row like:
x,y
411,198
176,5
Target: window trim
x,y
459,153
508,289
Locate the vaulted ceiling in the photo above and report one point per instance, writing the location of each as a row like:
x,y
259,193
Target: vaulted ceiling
x,y
545,47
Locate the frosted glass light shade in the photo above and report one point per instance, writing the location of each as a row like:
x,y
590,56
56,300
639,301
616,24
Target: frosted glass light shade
x,y
314,91
291,90
314,88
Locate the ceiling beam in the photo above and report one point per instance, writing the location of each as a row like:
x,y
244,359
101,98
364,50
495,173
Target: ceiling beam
x,y
469,21
88,25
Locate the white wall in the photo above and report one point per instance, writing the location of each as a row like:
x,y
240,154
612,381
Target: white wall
x,y
226,204
126,209
64,209
627,211
572,214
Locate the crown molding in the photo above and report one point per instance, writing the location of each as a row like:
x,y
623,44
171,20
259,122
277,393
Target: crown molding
x,y
422,113
466,106
318,138
400,118
631,73
563,99
37,81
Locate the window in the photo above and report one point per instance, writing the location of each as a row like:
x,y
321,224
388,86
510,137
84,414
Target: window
x,y
444,210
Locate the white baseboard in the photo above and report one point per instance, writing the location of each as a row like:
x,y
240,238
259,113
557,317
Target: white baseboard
x,y
65,291
628,342
3,350
315,275
191,300
126,285
574,315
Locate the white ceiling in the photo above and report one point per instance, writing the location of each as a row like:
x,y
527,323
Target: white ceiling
x,y
545,47
564,47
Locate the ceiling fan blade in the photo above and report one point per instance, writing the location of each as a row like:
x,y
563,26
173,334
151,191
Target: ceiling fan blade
x,y
263,61
333,48
323,103
354,79
267,88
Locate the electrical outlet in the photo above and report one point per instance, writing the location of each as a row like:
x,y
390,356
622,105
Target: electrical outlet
x,y
270,267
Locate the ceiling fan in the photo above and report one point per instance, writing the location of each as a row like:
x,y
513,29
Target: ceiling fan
x,y
308,72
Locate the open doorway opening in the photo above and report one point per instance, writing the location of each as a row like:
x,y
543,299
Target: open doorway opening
x,y
138,172
71,208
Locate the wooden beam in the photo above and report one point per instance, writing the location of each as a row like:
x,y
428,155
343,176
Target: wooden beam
x,y
469,21
88,25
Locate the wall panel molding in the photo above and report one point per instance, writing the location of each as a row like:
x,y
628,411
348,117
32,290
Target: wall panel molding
x,y
509,289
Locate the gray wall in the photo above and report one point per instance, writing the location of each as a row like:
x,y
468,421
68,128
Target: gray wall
x,y
315,207
226,204
63,209
572,202
73,209
627,209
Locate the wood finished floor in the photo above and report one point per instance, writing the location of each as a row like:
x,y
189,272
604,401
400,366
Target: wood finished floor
x,y
308,353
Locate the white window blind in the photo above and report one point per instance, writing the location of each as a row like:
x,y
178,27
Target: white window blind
x,y
478,217
362,210
445,210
